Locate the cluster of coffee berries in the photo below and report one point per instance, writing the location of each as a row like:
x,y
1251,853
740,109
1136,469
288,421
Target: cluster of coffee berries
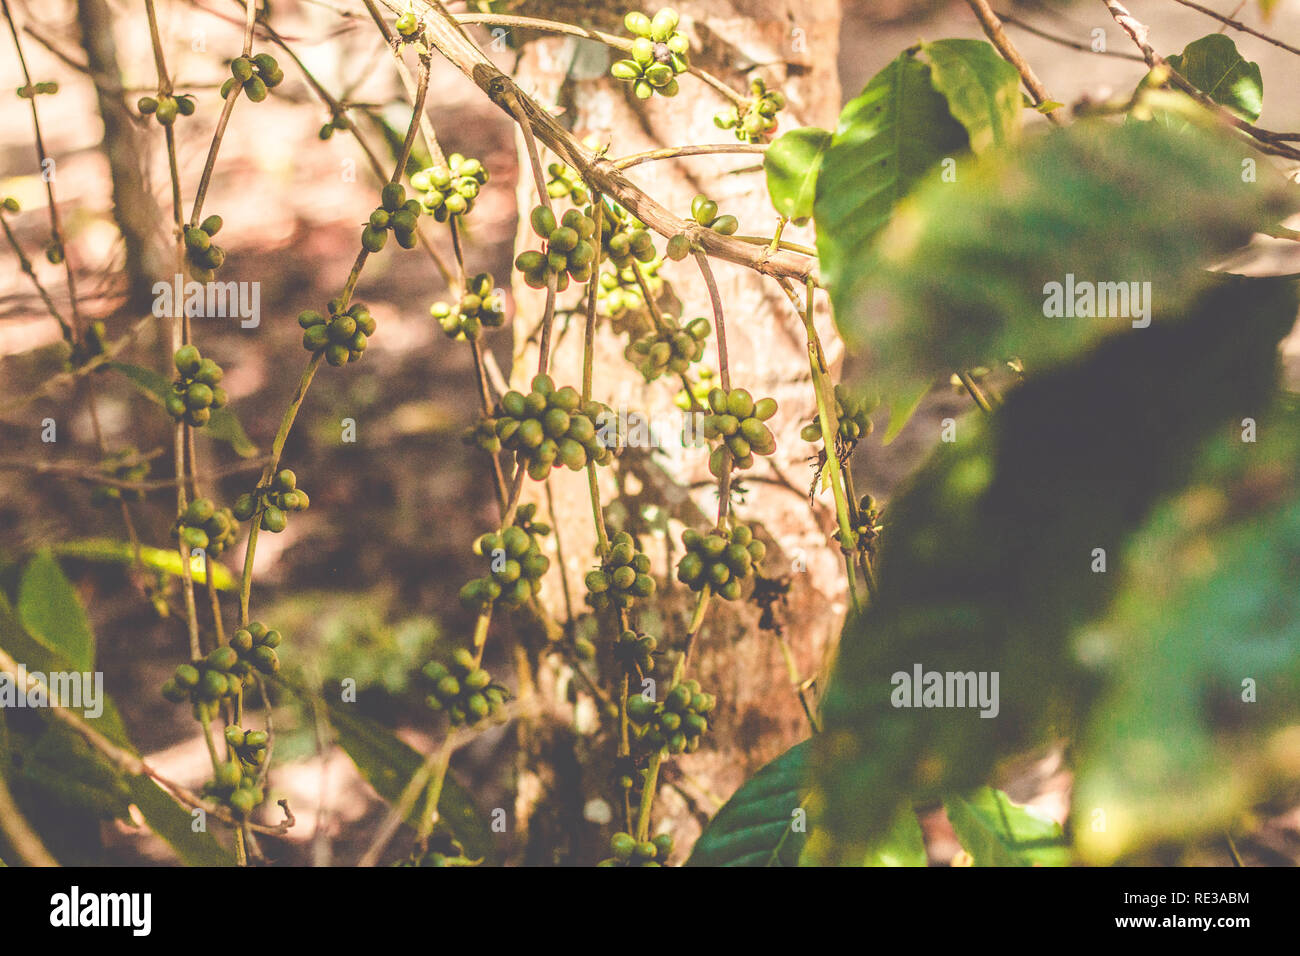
x,y
342,337
569,251
619,293
464,690
550,425
623,576
756,122
165,108
624,238
738,420
203,525
720,559
480,307
248,747
256,75
255,645
705,211
204,256
206,681
394,212
636,652
408,24
564,182
93,342
273,501
658,54
515,562
676,724
124,465
450,190
852,413
336,122
668,348
195,393
865,529
236,787
628,851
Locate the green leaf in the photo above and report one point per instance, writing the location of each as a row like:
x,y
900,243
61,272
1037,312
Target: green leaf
x,y
902,845
1213,65
51,612
990,548
1200,656
888,139
388,764
172,823
982,89
972,272
224,425
121,552
997,832
792,164
755,827
901,409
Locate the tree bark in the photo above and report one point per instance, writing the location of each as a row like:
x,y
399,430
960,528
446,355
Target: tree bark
x,y
656,492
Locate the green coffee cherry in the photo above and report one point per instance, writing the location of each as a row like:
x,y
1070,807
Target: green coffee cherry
x,y
569,252
464,690
396,213
194,394
677,724
854,423
705,211
738,420
624,238
566,183
450,190
756,121
248,747
124,465
722,559
256,75
342,337
866,527
204,256
618,293
549,426
255,645
165,107
626,850
669,350
658,54
636,652
46,88
515,561
480,307
408,25
10,204
203,525
208,681
623,576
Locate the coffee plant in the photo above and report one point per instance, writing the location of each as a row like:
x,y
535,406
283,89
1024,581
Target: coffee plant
x,y
1096,559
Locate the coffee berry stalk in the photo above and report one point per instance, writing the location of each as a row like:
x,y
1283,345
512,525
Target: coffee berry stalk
x,y
273,502
165,108
256,75
658,54
755,122
195,393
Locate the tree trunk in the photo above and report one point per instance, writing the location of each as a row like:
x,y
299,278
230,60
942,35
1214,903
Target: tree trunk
x,y
656,492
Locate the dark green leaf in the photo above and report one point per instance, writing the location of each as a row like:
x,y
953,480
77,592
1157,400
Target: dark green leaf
x,y
756,826
172,823
901,410
792,164
997,832
388,764
51,612
982,89
970,273
988,563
